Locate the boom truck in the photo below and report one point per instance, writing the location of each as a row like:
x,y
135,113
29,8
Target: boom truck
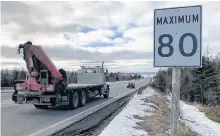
x,y
48,86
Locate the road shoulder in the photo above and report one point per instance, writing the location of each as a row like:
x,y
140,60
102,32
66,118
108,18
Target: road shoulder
x,y
146,114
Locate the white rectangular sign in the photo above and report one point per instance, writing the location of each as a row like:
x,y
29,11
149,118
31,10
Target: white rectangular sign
x,y
178,37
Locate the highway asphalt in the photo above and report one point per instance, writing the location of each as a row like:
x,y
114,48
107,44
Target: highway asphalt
x,y
26,120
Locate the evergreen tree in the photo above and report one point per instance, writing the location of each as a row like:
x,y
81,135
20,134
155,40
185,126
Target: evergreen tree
x,y
15,74
168,78
205,79
197,84
135,76
160,82
186,85
117,78
111,74
22,74
5,81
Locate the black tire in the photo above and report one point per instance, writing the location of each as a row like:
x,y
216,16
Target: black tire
x,y
41,106
82,100
74,101
107,93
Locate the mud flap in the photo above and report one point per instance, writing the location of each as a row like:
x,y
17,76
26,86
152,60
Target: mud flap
x,y
14,97
58,98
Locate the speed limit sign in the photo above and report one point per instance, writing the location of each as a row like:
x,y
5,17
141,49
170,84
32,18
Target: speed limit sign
x,y
178,37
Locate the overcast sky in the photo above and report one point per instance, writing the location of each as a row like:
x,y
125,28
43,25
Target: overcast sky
x,y
76,33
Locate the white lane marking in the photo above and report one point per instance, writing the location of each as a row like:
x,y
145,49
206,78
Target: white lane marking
x,y
8,101
40,131
9,105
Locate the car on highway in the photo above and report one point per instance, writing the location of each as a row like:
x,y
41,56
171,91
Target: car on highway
x,y
131,85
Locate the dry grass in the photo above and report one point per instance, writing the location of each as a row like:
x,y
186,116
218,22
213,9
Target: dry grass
x,y
185,131
212,113
158,123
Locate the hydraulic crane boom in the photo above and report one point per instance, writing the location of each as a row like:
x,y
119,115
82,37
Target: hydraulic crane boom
x,y
44,76
36,60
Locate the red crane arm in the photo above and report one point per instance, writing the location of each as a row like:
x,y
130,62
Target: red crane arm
x,y
36,60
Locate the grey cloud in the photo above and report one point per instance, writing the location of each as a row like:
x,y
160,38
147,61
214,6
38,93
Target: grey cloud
x,y
9,52
11,63
66,53
62,54
12,8
22,14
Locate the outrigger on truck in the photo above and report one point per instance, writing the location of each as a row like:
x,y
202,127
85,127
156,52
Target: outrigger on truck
x,y
47,86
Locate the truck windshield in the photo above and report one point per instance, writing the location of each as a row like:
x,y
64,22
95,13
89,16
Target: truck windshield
x,y
90,70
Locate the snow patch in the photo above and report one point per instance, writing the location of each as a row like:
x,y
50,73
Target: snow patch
x,y
169,97
7,90
197,121
123,124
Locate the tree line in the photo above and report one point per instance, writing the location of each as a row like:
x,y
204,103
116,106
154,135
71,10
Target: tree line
x,y
200,85
8,77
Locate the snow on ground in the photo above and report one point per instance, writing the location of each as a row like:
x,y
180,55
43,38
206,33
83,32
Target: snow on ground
x,y
6,90
123,124
197,121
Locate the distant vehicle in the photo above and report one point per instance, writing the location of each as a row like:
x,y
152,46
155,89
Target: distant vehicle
x,y
131,85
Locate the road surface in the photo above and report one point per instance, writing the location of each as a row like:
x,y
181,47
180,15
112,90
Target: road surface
x,y
26,120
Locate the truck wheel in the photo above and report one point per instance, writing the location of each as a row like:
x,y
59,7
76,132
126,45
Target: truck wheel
x,y
41,106
107,93
75,100
14,98
82,100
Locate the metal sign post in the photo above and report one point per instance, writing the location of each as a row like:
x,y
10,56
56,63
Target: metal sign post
x,y
177,43
175,101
